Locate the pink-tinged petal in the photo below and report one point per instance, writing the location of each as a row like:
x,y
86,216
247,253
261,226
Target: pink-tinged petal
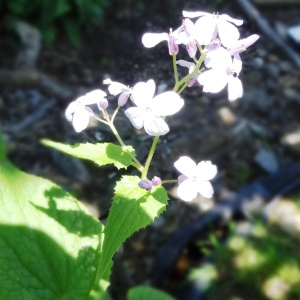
x,y
81,119
70,110
232,20
182,38
136,116
237,64
189,27
191,48
181,178
187,190
219,58
155,125
205,28
228,33
93,97
243,44
152,39
213,80
143,92
206,170
172,45
166,104
115,88
186,166
186,64
205,189
194,14
235,88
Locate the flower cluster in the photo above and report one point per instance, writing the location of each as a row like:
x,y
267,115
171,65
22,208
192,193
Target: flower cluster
x,y
217,39
210,39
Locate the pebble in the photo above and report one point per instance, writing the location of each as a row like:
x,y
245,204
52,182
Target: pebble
x,y
226,115
266,160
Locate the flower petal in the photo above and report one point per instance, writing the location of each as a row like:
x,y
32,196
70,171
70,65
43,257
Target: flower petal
x,y
205,28
237,63
235,88
194,14
186,166
213,80
219,58
143,92
152,39
116,88
136,116
166,104
81,119
206,170
186,64
155,125
205,189
187,190
232,20
92,97
228,33
70,110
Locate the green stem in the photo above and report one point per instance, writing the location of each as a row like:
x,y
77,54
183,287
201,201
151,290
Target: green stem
x,y
150,155
114,115
169,181
182,88
135,162
175,69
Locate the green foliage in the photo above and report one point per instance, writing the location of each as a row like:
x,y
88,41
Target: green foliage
x,y
50,244
133,208
101,154
262,264
147,293
50,16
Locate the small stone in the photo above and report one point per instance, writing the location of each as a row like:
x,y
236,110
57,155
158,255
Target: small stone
x,y
226,115
266,160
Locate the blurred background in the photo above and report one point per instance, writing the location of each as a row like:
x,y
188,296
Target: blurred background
x,y
53,51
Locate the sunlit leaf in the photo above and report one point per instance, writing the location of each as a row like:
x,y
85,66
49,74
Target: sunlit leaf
x,y
101,154
147,293
50,243
133,208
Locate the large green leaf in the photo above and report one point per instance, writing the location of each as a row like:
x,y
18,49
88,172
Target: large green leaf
x,y
101,154
133,208
49,243
147,293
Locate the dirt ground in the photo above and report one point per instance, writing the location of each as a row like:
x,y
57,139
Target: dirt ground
x,y
246,139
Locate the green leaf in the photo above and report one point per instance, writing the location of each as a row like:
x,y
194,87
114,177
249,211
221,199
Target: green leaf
x,y
99,292
71,28
147,293
101,154
132,209
50,244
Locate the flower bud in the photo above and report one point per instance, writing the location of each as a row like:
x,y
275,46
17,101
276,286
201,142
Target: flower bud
x,y
123,98
145,184
191,48
214,45
192,81
103,104
156,181
173,47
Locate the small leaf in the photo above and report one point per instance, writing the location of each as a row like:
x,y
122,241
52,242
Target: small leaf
x,y
101,154
50,244
132,209
147,293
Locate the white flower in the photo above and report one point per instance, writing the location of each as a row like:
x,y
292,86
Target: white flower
x,y
241,45
149,110
209,25
195,178
174,38
79,114
116,88
224,70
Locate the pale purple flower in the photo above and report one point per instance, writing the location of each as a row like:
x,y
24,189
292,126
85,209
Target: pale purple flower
x,y
194,178
156,181
78,113
173,38
209,26
241,45
145,184
149,110
224,70
116,88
